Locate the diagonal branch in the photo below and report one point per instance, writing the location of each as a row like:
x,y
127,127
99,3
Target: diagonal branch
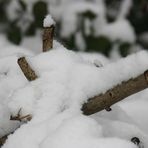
x,y
116,94
26,69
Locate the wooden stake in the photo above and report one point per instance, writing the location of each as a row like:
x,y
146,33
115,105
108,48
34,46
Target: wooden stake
x,y
26,69
48,34
116,94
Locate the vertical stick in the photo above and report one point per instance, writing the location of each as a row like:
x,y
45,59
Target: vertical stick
x,y
48,38
48,33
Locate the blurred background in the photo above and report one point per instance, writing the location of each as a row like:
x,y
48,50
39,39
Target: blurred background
x,y
114,28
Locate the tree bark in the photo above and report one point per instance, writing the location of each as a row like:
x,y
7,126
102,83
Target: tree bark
x,y
26,69
48,38
116,94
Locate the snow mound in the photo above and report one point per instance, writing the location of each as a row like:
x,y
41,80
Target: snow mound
x,y
65,81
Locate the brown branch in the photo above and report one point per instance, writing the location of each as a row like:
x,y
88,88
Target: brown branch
x,y
103,101
48,38
116,94
21,118
26,69
3,139
30,75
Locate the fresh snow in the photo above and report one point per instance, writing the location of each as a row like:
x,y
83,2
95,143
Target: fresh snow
x,y
124,8
65,81
120,30
48,21
70,14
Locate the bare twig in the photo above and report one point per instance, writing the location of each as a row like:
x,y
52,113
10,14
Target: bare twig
x,y
20,118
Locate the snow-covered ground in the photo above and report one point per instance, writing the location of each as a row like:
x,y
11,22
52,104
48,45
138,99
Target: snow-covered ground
x,y
66,80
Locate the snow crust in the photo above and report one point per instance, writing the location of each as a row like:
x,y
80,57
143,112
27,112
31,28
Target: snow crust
x,y
65,81
48,21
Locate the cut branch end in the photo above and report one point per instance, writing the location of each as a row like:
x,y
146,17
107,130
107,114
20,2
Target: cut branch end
x,y
26,69
48,34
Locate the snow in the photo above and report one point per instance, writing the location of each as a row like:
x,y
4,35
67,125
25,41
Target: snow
x,y
48,21
67,13
70,14
138,109
10,80
11,10
80,41
34,43
125,8
120,30
66,80
95,58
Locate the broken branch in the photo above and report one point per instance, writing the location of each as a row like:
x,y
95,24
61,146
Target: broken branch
x,y
26,69
21,118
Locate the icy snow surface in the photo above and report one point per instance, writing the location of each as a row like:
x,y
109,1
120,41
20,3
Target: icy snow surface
x,y
65,81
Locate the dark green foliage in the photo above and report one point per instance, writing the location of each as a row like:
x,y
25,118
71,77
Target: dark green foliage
x,y
69,42
3,16
99,44
88,14
39,11
14,34
58,29
23,5
124,49
112,5
31,29
139,16
93,43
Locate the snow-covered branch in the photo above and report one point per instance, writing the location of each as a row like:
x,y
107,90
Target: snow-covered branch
x,y
102,101
116,94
